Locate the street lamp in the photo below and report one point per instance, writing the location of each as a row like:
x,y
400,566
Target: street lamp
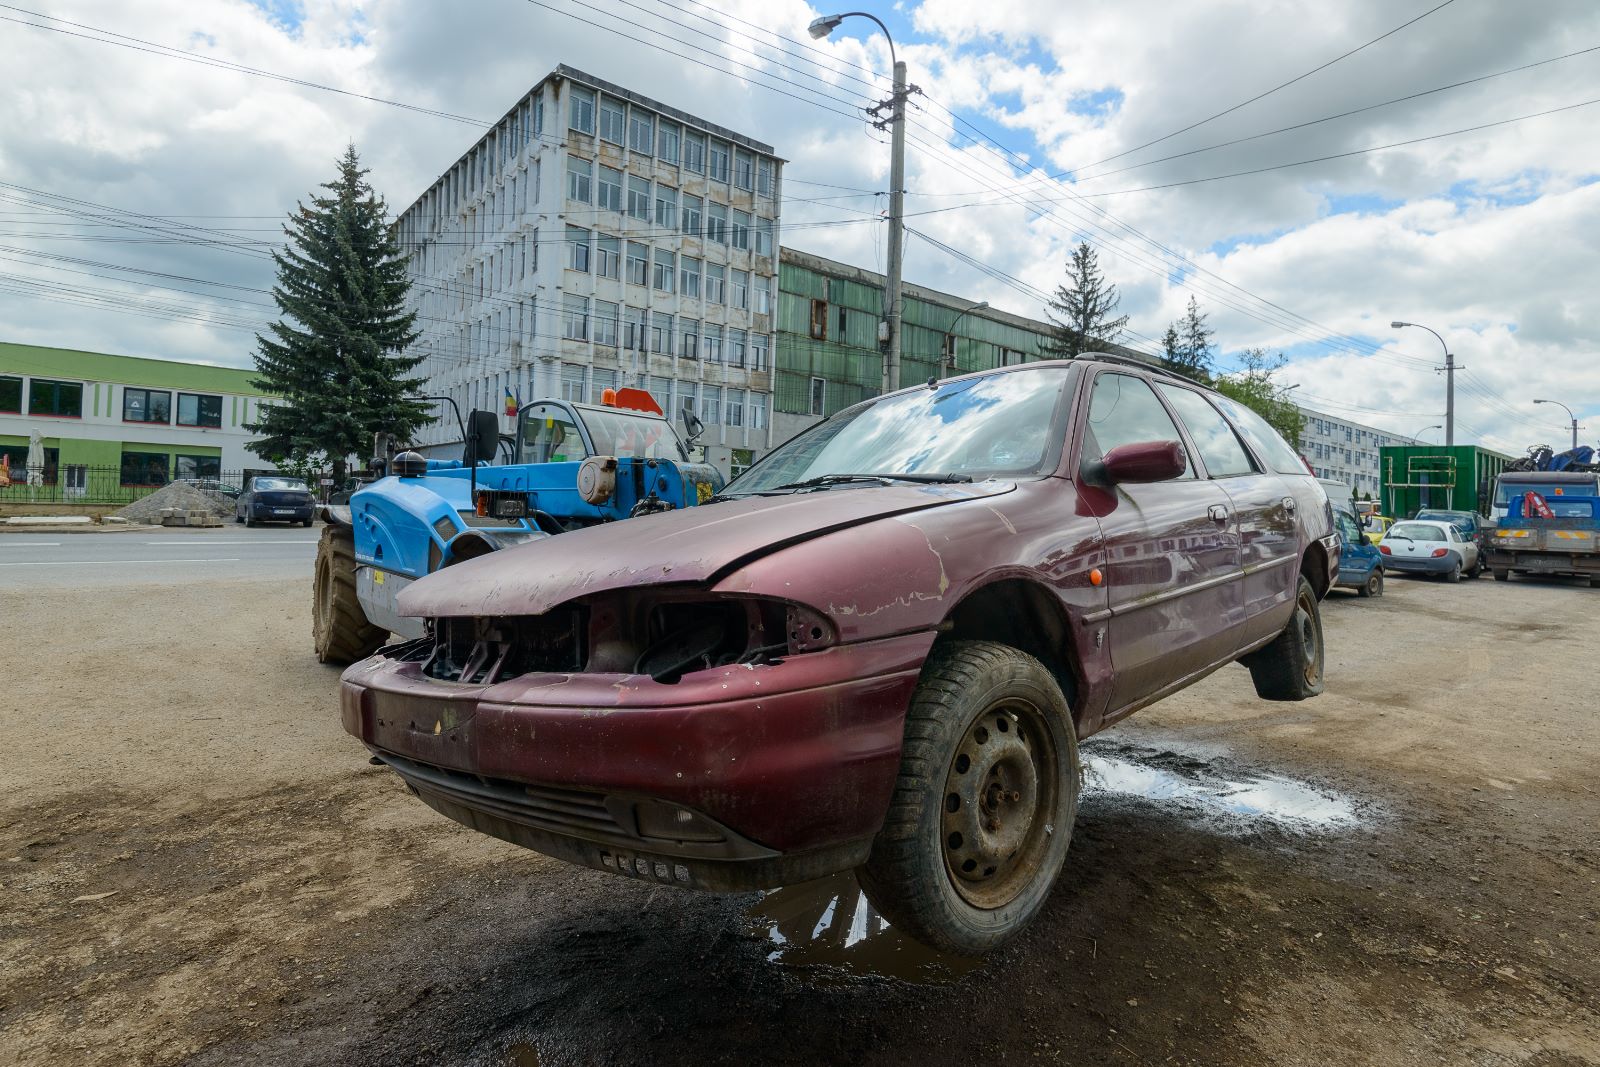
x,y
951,332
1449,369
819,29
1570,415
1424,430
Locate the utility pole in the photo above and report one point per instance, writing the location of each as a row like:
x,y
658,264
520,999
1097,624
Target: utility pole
x,y
1570,415
1450,367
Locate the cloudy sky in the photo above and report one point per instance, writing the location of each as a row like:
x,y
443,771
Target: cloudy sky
x,y
1038,125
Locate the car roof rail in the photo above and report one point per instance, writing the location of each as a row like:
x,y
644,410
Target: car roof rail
x,y
1145,363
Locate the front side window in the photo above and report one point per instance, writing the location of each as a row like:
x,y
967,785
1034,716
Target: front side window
x,y
198,409
578,248
578,179
613,120
46,397
639,198
610,196
642,132
582,117
1218,445
146,405
144,468
1123,410
661,278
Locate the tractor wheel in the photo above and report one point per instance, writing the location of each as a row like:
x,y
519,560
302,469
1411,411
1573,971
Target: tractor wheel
x,y
339,627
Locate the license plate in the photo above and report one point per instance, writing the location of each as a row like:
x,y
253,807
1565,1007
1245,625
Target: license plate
x,y
1542,564
283,511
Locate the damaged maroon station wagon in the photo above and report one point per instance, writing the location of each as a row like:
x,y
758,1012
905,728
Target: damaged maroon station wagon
x,y
876,650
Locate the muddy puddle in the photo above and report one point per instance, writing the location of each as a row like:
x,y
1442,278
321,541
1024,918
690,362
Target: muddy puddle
x,y
830,926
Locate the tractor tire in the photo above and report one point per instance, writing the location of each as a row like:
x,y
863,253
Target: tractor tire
x,y
339,627
982,812
1290,668
1373,586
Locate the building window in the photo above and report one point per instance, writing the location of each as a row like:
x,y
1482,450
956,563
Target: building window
x,y
688,276
610,189
661,277
633,329
578,248
763,237
197,409
735,349
819,395
744,171
764,176
689,338
605,325
711,341
711,405
667,143
741,230
11,395
660,333
642,132
741,459
758,352
608,256
638,264
1010,357
582,118
843,331
146,405
740,296
575,317
717,223
716,283
819,322
46,397
694,152
639,198
198,466
720,162
763,290
735,410
692,215
144,468
578,179
613,120
666,208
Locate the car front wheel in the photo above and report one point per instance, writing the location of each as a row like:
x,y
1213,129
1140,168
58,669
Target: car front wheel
x,y
1290,668
982,812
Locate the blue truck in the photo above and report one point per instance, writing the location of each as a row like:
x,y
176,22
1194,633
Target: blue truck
x,y
1546,522
568,466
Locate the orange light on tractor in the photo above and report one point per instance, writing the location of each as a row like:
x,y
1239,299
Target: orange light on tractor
x,y
608,397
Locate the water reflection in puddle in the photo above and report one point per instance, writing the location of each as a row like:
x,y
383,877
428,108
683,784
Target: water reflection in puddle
x,y
1164,776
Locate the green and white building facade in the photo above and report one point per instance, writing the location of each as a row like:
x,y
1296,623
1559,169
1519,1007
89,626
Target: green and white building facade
x,y
134,422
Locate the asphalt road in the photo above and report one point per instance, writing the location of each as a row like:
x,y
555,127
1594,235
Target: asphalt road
x,y
52,560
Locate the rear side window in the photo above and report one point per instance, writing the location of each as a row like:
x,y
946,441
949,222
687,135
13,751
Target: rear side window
x,y
1263,438
1219,446
1123,411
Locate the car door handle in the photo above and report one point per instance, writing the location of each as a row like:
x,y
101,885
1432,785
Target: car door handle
x,y
1218,513
1290,504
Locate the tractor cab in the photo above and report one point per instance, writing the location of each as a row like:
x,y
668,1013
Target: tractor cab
x,y
626,424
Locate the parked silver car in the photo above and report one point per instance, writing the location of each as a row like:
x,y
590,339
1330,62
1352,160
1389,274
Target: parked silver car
x,y
1417,546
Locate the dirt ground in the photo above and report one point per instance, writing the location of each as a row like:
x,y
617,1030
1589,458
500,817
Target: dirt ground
x,y
198,866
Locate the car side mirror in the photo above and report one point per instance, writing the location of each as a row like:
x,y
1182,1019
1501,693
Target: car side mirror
x,y
1143,461
692,425
483,438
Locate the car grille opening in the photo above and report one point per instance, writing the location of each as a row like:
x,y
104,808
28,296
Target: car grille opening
x,y
483,651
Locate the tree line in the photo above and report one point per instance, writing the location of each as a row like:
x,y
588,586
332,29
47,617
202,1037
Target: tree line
x,y
1083,317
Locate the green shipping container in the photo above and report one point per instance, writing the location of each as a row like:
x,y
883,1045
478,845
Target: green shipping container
x,y
1452,477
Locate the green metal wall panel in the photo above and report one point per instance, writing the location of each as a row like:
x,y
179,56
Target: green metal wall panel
x,y
1456,477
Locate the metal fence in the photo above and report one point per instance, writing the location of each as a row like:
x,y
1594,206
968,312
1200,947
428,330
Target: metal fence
x,y
78,484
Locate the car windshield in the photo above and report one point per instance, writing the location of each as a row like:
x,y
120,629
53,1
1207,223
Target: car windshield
x,y
989,426
1576,485
280,483
1416,531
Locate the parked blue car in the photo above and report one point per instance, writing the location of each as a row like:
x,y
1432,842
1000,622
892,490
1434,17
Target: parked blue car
x,y
1360,562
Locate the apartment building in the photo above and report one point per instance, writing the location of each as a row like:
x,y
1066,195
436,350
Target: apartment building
x,y
1345,451
597,238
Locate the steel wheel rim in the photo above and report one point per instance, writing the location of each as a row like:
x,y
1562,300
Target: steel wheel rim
x,y
1001,790
1305,617
1374,583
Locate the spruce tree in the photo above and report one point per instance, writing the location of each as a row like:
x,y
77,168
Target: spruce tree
x,y
1081,310
336,359
1191,355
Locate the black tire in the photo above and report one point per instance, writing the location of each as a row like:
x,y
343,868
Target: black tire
x,y
990,733
1373,586
1454,573
339,627
306,524
1290,668
237,518
1594,582
1501,574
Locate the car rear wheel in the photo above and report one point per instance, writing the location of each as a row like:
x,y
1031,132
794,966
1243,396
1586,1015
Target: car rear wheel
x,y
339,627
1290,668
982,812
1373,586
1454,573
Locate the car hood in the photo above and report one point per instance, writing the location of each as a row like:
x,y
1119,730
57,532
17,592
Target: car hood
x,y
696,544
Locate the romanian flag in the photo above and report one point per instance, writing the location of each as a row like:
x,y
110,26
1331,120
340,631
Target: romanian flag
x,y
511,404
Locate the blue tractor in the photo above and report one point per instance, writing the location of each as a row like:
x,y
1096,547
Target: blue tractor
x,y
567,467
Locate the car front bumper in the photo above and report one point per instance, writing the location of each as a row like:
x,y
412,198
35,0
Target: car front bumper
x,y
733,778
1421,564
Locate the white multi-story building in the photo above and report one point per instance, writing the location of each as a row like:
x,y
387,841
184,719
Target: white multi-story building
x,y
593,239
1345,451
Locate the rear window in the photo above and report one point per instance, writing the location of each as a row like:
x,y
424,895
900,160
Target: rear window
x,y
1266,441
280,483
1416,531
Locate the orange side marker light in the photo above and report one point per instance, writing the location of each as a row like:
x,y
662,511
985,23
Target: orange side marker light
x,y
1095,577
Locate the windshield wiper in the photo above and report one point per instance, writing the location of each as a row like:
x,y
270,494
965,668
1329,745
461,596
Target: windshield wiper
x,y
842,479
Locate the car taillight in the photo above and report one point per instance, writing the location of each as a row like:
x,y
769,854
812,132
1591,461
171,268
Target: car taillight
x,y
1385,550
1440,552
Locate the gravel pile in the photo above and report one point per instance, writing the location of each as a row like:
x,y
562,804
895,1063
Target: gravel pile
x,y
178,495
